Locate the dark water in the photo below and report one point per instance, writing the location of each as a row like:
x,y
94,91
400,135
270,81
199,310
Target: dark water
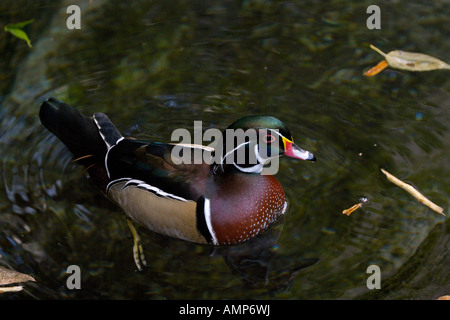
x,y
154,66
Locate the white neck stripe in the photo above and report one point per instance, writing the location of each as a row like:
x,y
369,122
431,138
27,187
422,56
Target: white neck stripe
x,y
207,213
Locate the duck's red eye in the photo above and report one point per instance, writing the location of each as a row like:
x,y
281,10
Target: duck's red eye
x,y
269,138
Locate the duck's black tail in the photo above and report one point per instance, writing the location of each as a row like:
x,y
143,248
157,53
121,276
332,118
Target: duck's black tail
x,y
82,135
77,131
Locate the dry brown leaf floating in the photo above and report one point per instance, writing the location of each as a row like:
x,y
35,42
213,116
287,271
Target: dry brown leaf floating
x,y
416,194
404,60
8,276
444,298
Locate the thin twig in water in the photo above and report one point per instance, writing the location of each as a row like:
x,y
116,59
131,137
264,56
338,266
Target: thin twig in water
x,y
83,157
10,289
416,194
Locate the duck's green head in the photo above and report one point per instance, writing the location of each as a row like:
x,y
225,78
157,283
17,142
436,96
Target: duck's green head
x,y
250,142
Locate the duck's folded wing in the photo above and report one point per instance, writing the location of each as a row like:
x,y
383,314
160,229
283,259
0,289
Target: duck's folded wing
x,y
161,165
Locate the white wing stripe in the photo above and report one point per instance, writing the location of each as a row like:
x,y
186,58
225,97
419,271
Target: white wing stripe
x,y
114,182
143,185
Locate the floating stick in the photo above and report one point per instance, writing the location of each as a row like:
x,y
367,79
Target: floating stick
x,y
416,194
10,289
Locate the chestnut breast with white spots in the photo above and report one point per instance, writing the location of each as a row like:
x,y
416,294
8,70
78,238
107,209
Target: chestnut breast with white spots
x,y
244,206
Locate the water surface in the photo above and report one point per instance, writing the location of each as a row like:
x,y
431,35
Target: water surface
x,y
154,66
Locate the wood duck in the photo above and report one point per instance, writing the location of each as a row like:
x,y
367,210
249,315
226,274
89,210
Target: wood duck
x,y
213,202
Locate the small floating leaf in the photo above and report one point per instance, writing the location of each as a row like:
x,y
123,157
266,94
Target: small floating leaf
x,y
16,30
21,35
18,25
410,61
